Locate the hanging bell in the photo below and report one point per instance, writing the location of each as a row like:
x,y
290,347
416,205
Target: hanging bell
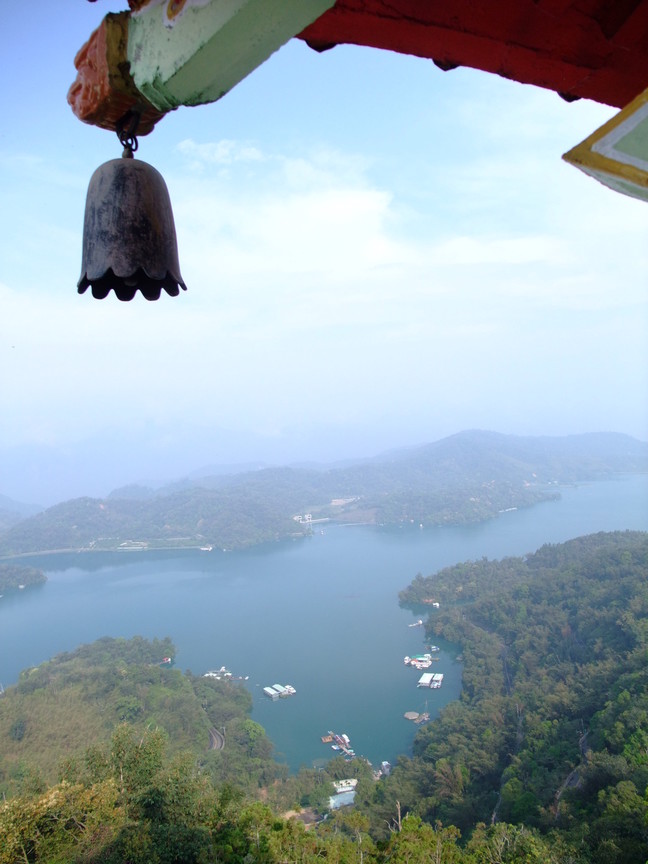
x,y
129,239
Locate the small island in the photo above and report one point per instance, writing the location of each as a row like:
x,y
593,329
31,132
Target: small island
x,y
13,577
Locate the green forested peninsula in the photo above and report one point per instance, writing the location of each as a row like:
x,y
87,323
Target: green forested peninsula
x,y
544,758
13,577
465,478
57,709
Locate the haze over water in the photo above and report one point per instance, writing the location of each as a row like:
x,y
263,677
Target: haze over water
x,y
320,614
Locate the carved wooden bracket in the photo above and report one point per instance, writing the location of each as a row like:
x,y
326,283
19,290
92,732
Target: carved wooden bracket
x,y
104,90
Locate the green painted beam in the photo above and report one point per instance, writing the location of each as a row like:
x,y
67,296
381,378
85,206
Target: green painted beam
x,y
193,53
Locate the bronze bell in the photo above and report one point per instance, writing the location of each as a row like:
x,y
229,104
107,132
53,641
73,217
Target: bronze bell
x,y
129,239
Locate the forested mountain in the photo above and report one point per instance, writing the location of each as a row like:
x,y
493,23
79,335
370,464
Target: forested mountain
x,y
552,726
543,759
465,478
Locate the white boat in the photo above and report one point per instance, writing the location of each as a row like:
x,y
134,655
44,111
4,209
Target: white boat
x,y
419,661
218,673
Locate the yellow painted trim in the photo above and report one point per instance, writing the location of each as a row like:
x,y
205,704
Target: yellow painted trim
x,y
585,159
588,156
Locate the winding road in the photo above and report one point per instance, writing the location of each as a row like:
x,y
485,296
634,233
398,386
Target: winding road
x,y
216,739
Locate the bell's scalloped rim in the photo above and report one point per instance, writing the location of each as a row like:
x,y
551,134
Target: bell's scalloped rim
x,y
126,287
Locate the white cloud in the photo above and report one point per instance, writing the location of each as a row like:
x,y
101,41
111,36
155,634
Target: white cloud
x,y
319,288
224,152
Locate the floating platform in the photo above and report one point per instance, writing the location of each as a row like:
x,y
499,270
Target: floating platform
x,y
433,681
420,661
279,691
224,674
339,743
218,673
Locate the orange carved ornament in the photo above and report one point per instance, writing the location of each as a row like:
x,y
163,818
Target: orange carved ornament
x,y
104,91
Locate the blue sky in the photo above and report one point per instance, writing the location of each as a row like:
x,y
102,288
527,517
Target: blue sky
x,y
377,254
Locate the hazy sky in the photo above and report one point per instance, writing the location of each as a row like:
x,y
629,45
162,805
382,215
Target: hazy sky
x,y
377,254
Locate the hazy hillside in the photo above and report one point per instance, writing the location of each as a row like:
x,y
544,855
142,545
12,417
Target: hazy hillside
x,y
465,478
12,512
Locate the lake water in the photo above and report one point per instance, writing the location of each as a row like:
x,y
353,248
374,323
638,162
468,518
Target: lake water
x,y
321,614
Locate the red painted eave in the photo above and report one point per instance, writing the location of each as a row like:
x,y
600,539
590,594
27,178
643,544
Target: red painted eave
x,y
595,49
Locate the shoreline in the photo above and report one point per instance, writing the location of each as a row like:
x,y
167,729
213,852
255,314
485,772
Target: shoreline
x,y
332,523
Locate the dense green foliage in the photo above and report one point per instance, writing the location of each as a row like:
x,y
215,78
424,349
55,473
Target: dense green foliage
x,y
543,759
131,803
465,478
224,518
13,576
56,708
552,726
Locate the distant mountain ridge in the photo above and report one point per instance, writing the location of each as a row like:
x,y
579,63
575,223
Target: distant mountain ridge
x,y
467,477
12,511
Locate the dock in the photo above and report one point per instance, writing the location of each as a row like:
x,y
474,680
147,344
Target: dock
x,y
433,681
341,743
278,691
420,661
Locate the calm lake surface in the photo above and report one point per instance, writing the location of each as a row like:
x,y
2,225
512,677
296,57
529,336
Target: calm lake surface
x,y
321,614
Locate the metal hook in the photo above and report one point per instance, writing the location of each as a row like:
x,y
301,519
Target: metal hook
x,y
126,129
